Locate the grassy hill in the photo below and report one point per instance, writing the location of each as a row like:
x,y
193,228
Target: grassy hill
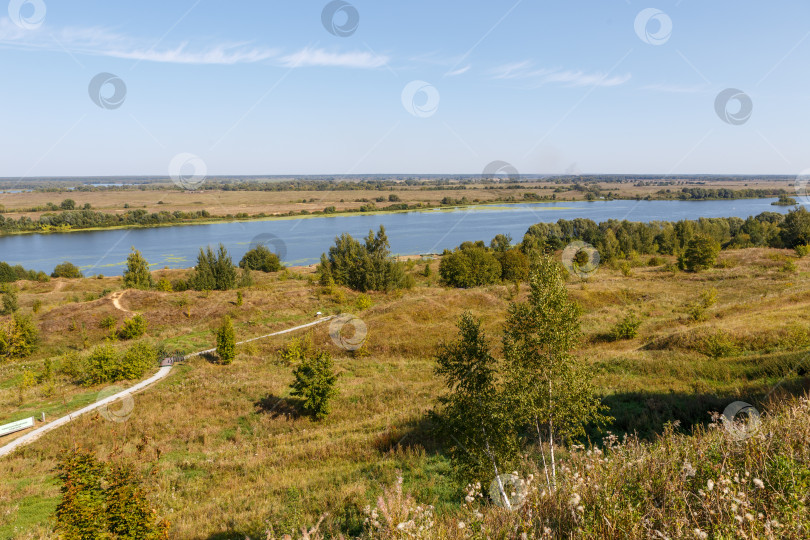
x,y
231,455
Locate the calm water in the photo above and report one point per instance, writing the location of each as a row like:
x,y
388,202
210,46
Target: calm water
x,y
304,240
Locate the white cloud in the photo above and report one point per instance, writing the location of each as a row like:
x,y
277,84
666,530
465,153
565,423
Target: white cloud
x,y
94,41
458,71
319,57
538,77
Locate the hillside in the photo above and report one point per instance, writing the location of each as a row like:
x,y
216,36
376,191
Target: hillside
x,y
231,455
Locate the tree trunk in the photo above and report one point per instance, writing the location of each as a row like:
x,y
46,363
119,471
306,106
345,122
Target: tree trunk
x,y
505,499
542,451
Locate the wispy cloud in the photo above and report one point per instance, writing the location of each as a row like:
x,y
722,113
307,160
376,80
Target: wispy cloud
x,y
526,71
458,71
676,88
319,57
96,41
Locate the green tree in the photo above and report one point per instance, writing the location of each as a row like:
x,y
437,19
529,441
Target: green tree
x,y
470,266
473,416
137,275
514,266
129,513
10,300
795,229
214,272
314,382
549,386
226,341
80,514
66,270
19,337
262,259
68,204
362,267
101,500
700,253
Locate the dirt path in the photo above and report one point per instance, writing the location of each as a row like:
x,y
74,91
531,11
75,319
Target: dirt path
x,y
116,301
162,372
59,286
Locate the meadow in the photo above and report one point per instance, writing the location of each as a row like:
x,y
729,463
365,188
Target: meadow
x,y
230,455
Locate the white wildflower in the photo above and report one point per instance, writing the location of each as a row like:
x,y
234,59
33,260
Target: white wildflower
x,y
759,483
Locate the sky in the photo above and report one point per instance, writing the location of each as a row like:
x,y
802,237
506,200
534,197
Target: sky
x,y
296,87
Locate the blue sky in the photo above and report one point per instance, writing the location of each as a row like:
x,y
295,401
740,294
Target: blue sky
x,y
549,86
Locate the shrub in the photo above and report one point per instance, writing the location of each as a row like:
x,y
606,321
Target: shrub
x,y
802,250
106,364
624,266
315,383
240,299
107,323
164,285
36,306
262,259
133,328
226,342
514,266
295,350
363,302
137,275
627,328
10,301
469,267
66,270
18,337
101,500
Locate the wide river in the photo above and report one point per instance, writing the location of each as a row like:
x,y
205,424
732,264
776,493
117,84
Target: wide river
x,y
302,240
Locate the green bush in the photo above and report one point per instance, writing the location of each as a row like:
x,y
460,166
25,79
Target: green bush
x,y
106,364
107,323
315,383
802,250
10,301
470,266
627,328
66,270
226,342
19,337
514,266
101,500
133,328
363,302
261,259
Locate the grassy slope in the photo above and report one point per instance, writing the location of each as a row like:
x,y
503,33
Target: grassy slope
x,y
232,454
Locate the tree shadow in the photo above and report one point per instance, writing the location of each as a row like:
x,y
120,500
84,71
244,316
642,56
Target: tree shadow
x,y
418,434
277,407
647,413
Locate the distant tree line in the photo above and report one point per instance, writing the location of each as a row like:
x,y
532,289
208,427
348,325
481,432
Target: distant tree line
x,y
617,239
87,219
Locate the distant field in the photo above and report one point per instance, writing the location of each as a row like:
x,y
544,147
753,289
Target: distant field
x,y
222,203
230,457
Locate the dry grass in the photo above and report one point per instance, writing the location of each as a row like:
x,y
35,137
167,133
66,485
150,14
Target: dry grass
x,y
233,455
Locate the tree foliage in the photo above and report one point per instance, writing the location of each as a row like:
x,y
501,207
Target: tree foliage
x,y
137,274
362,267
19,337
470,266
700,253
474,417
66,270
226,342
214,271
262,259
314,383
101,500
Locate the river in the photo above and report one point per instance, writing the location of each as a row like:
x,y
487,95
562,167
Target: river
x,y
302,240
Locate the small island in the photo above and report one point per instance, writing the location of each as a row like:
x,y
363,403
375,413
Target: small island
x,y
784,200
